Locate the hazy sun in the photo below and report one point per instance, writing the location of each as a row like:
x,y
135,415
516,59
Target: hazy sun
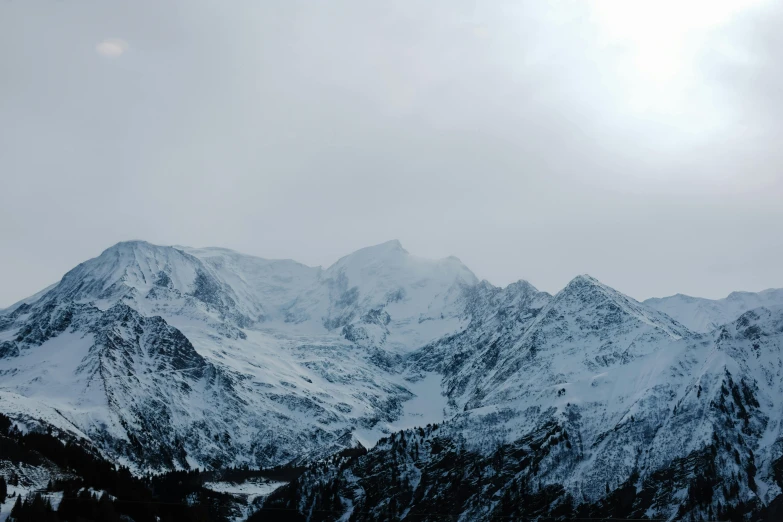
x,y
112,47
664,34
660,44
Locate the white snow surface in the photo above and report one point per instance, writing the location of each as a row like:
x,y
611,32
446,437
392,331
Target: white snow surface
x,y
428,406
251,489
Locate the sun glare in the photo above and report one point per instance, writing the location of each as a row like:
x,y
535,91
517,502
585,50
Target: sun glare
x,y
659,44
664,35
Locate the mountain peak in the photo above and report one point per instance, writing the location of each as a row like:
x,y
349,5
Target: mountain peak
x,y
134,250
391,246
585,294
587,289
584,279
392,243
131,244
390,252
123,266
523,284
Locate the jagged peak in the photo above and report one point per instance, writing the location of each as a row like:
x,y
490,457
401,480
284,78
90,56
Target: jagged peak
x,y
590,292
515,287
585,281
522,285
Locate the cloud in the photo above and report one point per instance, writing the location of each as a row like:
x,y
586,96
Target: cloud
x,y
519,136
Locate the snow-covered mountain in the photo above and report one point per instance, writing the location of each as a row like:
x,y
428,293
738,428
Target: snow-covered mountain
x,y
704,315
593,406
171,357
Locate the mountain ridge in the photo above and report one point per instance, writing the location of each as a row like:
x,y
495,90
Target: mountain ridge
x,y
178,358
702,315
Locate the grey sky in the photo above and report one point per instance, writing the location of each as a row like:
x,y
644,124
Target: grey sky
x,y
532,140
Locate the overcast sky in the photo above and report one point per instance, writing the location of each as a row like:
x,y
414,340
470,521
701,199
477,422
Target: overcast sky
x,y
639,142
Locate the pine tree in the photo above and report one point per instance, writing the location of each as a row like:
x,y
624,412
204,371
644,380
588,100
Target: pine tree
x,y
3,489
17,509
106,510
